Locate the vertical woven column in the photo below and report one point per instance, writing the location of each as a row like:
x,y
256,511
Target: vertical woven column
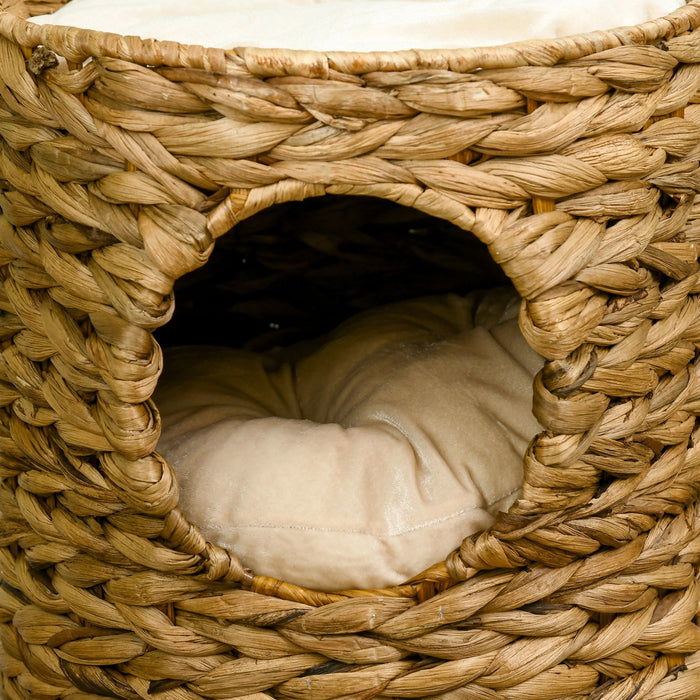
x,y
574,161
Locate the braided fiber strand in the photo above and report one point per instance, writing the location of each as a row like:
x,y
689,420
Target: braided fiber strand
x,y
573,161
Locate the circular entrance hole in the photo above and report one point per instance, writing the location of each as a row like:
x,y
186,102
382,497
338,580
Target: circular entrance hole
x,y
366,455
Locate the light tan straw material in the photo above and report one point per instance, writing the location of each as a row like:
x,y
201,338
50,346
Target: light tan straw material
x,y
574,160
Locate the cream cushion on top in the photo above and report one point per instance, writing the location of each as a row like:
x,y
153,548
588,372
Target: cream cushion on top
x,y
363,458
355,25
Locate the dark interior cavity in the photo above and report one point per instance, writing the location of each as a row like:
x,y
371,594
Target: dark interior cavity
x,y
295,271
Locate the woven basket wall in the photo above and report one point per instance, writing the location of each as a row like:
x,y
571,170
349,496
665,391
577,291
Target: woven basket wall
x,y
574,161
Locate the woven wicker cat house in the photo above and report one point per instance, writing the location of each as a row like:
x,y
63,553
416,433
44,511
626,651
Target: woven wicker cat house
x,y
574,162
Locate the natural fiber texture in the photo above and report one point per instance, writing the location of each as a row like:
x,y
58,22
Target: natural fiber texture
x,y
574,160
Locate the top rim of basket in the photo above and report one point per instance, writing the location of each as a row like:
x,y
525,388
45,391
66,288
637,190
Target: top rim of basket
x,y
77,45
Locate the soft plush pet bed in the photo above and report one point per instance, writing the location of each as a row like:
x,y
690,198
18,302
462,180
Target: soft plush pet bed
x,y
350,462
355,25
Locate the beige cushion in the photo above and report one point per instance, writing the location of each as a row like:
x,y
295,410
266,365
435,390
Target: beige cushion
x,y
355,25
363,458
